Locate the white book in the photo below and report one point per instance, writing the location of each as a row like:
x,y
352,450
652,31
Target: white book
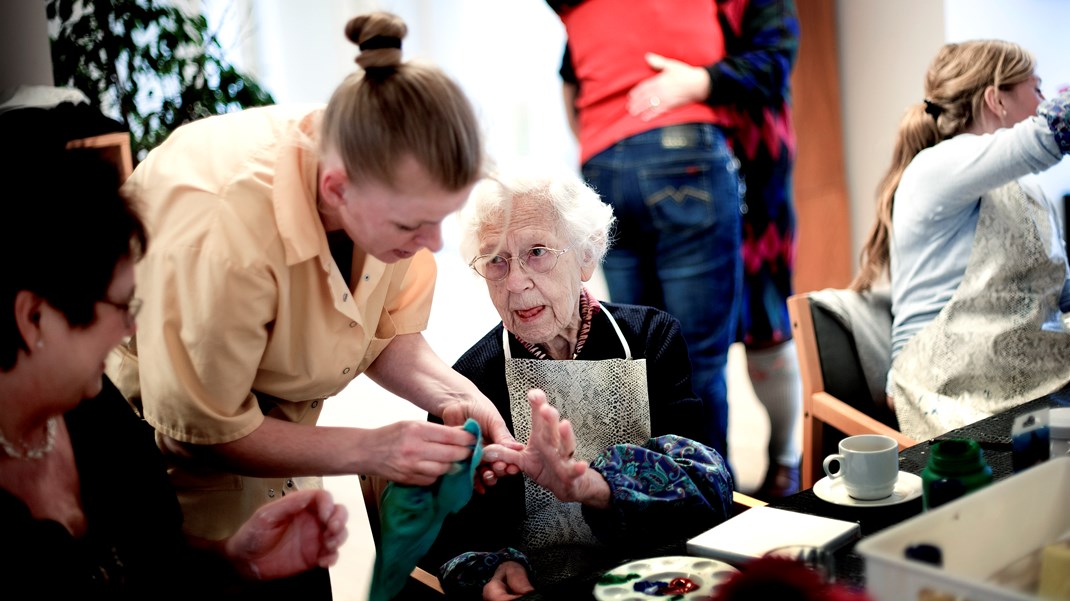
x,y
759,530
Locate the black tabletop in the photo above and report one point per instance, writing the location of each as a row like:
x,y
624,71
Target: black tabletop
x,y
993,434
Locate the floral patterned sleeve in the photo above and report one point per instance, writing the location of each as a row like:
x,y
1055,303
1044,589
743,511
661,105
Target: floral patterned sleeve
x,y
668,489
1056,111
464,576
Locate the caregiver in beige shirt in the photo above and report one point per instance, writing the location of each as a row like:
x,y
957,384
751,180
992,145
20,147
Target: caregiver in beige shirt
x,y
248,322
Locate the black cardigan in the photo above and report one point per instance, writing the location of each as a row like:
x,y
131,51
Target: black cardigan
x,y
491,521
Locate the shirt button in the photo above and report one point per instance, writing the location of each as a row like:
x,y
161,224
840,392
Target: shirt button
x,y
271,493
290,483
367,277
315,404
345,371
345,296
352,324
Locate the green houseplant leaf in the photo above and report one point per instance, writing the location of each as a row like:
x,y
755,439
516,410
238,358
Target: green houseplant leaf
x,y
146,64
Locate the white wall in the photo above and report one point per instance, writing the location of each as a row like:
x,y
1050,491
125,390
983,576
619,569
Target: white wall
x,y
504,54
884,50
25,55
1039,26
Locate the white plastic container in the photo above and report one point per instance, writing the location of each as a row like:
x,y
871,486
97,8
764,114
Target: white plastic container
x,y
1059,431
979,535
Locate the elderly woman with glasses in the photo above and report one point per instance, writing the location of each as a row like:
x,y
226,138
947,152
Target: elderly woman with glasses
x,y
598,395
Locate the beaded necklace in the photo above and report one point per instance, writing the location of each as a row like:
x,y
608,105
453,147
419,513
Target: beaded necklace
x,y
33,453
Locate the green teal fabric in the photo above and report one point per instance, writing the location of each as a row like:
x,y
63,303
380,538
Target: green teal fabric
x,y
410,518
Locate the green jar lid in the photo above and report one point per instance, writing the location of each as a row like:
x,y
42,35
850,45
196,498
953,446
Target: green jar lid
x,y
956,456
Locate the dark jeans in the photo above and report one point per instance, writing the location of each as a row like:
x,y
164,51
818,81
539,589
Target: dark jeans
x,y
676,195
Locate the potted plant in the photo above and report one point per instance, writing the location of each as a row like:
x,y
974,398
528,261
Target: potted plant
x,y
147,64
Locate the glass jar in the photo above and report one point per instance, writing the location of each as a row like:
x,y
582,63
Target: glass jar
x,y
956,467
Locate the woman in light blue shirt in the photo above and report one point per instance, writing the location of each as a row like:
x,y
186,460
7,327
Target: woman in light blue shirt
x,y
976,260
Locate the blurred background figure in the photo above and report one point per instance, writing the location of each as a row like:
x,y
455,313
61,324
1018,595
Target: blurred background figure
x,y
653,149
751,87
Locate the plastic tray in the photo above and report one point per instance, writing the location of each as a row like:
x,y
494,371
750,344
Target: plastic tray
x,y
980,535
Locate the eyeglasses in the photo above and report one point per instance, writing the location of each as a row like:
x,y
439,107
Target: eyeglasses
x,y
537,259
129,309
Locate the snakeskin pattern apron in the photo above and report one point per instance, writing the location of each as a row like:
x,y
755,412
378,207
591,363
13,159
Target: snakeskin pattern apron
x,y
607,403
986,350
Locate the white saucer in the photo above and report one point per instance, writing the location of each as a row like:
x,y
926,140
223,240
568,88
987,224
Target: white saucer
x,y
648,578
907,488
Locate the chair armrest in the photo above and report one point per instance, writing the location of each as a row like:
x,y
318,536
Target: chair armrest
x,y
425,577
845,418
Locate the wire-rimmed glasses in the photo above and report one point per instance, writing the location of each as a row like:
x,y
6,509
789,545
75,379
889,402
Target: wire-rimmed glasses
x,y
129,309
537,259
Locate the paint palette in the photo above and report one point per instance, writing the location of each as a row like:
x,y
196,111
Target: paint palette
x,y
673,577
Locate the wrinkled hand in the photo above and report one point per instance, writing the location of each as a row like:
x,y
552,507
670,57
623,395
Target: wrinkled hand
x,y
510,581
494,431
416,452
676,84
298,532
548,457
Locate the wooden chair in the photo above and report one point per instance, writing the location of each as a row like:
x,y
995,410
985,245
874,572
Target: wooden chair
x,y
372,489
839,397
114,147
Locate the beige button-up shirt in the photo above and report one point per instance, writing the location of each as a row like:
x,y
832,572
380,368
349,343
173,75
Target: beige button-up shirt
x,y
245,311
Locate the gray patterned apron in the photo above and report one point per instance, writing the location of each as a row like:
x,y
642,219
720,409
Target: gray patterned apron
x,y
986,350
607,403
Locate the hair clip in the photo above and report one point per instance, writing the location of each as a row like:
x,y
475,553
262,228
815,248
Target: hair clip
x,y
933,109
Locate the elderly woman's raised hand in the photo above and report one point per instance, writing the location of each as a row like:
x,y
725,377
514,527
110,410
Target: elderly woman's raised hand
x,y
548,457
296,533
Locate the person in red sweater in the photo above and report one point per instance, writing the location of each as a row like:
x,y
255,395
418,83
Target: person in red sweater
x,y
665,166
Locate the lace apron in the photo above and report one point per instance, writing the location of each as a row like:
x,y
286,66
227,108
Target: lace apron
x,y
607,403
986,350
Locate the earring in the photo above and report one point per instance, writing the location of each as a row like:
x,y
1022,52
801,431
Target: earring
x,y
40,344
1004,112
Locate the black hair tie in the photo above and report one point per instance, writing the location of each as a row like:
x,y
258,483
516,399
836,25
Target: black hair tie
x,y
380,41
933,109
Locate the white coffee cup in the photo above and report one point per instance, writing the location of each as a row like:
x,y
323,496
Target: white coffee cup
x,y
868,464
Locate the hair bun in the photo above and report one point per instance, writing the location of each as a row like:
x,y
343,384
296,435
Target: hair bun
x,y
378,35
379,42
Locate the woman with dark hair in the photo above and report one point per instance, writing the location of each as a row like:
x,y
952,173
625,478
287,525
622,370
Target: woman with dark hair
x,y
85,505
